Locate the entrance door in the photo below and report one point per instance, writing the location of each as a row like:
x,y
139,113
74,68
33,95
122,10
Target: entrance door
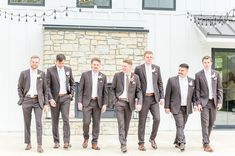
x,y
224,62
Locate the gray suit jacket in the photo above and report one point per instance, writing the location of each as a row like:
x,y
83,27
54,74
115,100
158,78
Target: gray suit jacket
x,y
173,96
202,91
85,89
157,80
24,85
134,90
54,82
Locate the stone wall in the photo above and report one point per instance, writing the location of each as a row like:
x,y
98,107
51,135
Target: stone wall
x,y
79,46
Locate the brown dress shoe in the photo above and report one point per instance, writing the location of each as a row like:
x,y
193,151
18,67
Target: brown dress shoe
x,y
123,148
141,147
208,148
57,145
95,147
85,143
67,145
39,149
177,145
153,144
28,147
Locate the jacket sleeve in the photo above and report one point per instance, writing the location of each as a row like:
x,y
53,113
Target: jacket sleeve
x,y
105,92
72,84
219,90
81,88
48,78
139,94
168,95
197,90
113,92
20,89
45,89
160,85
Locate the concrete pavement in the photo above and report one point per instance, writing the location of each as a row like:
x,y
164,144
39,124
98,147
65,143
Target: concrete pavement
x,y
223,142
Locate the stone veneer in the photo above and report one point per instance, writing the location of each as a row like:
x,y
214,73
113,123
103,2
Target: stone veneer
x,y
79,46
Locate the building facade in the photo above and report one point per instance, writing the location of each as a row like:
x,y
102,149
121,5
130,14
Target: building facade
x,y
113,30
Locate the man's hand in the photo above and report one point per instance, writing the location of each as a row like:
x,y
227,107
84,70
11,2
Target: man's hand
x,y
80,106
52,103
45,108
103,109
219,106
167,110
138,107
199,107
162,102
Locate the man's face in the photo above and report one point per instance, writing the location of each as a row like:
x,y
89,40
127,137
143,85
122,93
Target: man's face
x,y
126,68
34,63
148,58
95,66
182,72
207,64
60,64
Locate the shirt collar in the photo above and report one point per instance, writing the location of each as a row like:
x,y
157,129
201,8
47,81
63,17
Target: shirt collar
x,y
60,69
207,71
93,73
33,71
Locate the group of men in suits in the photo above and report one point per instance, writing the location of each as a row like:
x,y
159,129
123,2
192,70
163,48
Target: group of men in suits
x,y
141,90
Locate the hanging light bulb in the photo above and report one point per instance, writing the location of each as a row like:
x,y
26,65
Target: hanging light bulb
x,y
11,16
54,14
66,11
35,18
43,17
5,16
18,17
26,18
0,12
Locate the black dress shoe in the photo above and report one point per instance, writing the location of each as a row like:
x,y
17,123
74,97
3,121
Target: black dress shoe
x,y
177,145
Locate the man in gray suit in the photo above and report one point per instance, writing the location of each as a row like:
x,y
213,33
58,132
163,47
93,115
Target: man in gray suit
x,y
152,89
60,93
179,100
32,90
92,100
209,98
127,96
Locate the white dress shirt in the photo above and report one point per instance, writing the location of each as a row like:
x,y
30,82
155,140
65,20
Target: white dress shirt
x,y
33,83
124,94
209,83
183,90
149,77
94,84
62,80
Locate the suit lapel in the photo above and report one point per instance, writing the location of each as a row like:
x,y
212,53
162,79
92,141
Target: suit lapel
x,y
212,80
153,69
122,81
204,78
144,72
177,83
56,74
28,80
90,80
38,79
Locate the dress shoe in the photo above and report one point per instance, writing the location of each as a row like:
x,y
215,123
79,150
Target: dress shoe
x,y
67,145
85,143
28,147
141,147
95,147
39,149
208,148
153,144
57,145
177,145
123,148
182,147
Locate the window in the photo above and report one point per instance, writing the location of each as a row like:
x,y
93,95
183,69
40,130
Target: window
x,y
159,4
27,2
90,3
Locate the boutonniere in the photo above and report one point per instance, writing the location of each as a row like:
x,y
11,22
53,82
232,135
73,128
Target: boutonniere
x,y
67,73
132,80
153,70
190,83
213,76
39,75
100,76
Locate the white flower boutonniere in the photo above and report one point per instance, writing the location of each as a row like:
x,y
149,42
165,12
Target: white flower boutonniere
x,y
190,83
132,80
39,75
67,73
100,76
153,70
213,76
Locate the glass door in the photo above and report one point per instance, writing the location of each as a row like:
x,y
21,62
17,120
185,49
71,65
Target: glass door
x,y
224,62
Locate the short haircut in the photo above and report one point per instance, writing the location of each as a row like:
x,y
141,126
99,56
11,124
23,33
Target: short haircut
x,y
206,58
184,65
148,52
95,59
60,57
34,57
128,61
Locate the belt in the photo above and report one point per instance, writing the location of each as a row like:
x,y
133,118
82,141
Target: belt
x,y
94,98
33,97
123,99
149,94
63,94
211,99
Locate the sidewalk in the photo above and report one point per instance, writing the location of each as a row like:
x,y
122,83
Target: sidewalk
x,y
223,142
